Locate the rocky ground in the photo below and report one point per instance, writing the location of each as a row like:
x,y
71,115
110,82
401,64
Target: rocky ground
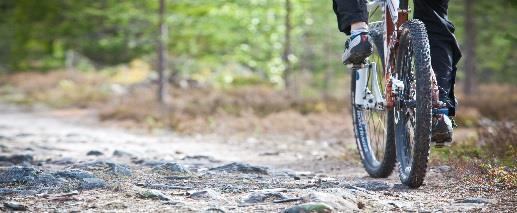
x,y
51,163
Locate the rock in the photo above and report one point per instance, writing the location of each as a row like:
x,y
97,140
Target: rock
x,y
269,154
154,194
374,185
94,153
111,167
27,176
203,194
152,163
71,193
87,180
477,200
23,134
214,210
261,197
92,183
120,153
397,204
17,159
443,168
163,186
233,188
334,199
115,205
15,206
171,169
74,173
296,174
310,207
241,168
271,190
198,157
63,161
178,177
4,191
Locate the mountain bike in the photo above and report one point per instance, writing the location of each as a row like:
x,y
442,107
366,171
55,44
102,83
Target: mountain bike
x,y
393,96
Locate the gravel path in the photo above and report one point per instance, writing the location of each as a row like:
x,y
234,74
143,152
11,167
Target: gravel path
x,y
50,164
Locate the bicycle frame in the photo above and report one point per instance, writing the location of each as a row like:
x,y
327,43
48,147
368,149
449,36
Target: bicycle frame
x,y
395,13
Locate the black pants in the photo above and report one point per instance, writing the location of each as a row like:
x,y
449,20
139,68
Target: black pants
x,y
445,52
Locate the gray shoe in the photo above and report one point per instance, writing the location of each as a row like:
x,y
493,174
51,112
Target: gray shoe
x,y
357,49
442,131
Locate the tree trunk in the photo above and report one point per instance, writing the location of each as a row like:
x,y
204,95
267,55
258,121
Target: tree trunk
x,y
287,46
162,55
329,73
470,47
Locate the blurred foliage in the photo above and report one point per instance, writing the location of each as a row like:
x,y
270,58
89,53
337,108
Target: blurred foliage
x,y
488,158
203,34
496,55
206,35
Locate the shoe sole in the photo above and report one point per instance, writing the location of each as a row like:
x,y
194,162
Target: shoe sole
x,y
441,140
363,52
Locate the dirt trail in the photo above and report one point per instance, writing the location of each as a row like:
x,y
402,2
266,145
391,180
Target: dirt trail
x,y
56,164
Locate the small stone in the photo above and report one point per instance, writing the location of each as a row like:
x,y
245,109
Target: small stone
x,y
241,168
198,157
296,174
113,168
94,153
374,185
476,200
443,168
154,194
23,134
75,174
171,169
310,207
120,153
71,193
397,204
4,191
163,186
261,197
92,183
15,206
338,199
151,163
203,194
27,176
271,190
17,159
214,210
269,154
115,205
63,161
360,205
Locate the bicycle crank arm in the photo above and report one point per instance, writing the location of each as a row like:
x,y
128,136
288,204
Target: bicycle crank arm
x,y
441,111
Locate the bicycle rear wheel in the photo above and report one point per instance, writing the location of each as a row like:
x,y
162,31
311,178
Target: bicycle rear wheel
x,y
374,129
413,107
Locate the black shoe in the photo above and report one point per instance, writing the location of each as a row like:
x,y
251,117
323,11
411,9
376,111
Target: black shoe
x,y
441,131
357,49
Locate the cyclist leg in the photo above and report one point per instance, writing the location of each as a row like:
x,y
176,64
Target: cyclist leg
x,y
352,17
445,52
349,12
445,55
